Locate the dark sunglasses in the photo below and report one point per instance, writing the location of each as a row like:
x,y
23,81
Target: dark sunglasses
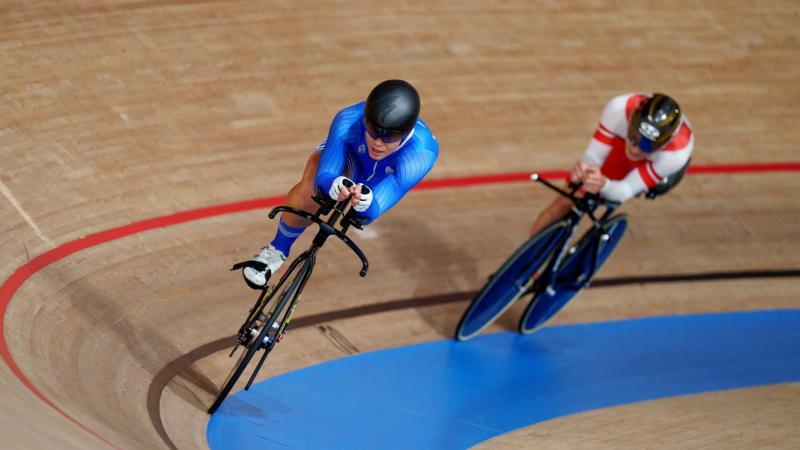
x,y
386,135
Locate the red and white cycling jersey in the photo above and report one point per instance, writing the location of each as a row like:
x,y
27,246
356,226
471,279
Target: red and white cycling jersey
x,y
627,178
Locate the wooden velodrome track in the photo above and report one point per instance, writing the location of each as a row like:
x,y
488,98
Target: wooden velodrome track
x,y
118,111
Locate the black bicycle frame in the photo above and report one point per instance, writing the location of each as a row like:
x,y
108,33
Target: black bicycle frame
x,y
308,260
581,206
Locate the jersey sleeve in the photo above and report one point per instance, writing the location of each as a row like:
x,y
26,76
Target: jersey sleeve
x,y
334,156
613,125
596,152
647,175
411,169
666,163
626,188
614,119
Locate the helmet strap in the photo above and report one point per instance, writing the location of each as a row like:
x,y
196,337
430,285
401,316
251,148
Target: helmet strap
x,y
406,138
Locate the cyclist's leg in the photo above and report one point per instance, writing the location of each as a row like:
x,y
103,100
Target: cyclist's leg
x,y
299,196
553,212
289,228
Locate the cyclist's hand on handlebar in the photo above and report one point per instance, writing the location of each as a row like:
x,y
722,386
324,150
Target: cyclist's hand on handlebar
x,y
360,194
361,198
341,188
593,180
578,171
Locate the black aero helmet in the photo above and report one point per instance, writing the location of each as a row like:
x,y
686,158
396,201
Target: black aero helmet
x,y
654,122
392,109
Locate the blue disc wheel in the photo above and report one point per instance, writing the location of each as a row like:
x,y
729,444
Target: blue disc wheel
x,y
574,274
510,281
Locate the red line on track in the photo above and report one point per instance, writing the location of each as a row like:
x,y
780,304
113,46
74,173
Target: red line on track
x,y
745,168
15,281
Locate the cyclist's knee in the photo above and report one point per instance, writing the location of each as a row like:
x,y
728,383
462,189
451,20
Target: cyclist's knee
x,y
560,205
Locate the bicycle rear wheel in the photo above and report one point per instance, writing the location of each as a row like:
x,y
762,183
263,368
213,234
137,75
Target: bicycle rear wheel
x,y
510,281
573,275
266,333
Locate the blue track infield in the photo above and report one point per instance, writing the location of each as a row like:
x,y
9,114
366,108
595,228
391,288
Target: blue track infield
x,y
447,394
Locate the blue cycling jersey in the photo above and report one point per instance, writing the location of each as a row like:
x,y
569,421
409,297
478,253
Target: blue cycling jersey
x,y
389,178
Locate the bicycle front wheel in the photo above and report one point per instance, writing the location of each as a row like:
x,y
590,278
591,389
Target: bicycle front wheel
x,y
574,274
264,339
510,281
245,356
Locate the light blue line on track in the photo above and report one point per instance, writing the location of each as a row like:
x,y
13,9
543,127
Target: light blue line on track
x,y
447,394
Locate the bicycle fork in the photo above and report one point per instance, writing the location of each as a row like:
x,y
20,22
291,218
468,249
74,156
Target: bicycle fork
x,y
306,269
602,238
555,263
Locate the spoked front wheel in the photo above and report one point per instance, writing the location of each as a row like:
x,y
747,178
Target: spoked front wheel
x,y
510,281
574,274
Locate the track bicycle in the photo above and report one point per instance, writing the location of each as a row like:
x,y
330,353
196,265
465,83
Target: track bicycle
x,y
547,267
263,330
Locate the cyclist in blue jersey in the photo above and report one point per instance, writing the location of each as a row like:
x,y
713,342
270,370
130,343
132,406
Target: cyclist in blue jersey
x,y
381,143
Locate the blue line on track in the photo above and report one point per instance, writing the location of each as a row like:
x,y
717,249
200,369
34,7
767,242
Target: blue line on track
x,y
447,394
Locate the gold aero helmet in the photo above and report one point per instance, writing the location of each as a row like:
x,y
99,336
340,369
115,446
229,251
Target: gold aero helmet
x,y
654,122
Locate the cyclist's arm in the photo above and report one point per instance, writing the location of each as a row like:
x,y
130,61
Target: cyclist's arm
x,y
624,189
333,159
669,162
646,176
554,211
596,153
612,120
411,169
612,126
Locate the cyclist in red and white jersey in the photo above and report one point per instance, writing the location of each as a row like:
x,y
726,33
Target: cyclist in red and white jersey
x,y
642,144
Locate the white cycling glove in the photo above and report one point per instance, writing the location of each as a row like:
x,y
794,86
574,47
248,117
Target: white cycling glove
x,y
365,200
339,184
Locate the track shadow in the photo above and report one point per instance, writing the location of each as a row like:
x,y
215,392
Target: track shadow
x,y
441,267
96,313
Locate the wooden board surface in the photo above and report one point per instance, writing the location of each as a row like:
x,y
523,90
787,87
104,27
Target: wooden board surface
x,y
120,111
